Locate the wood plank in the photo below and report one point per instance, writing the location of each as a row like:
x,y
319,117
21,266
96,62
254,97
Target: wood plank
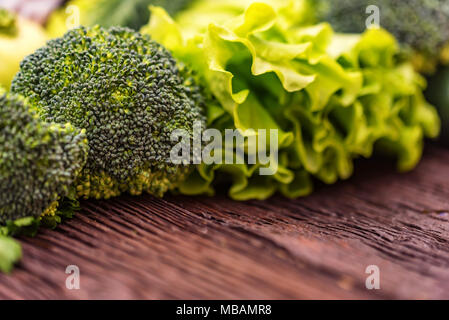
x,y
200,247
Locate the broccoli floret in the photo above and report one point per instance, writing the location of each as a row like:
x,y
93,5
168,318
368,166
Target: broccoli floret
x,y
419,25
129,94
38,161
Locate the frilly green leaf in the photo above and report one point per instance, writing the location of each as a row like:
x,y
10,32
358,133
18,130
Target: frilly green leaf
x,y
332,97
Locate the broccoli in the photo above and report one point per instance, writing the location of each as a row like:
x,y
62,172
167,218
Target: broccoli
x,y
128,93
18,38
421,26
38,161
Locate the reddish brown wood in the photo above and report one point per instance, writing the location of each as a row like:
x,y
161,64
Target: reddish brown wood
x,y
315,247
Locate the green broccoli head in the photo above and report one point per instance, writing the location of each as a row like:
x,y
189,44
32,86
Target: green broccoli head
x,y
38,161
128,93
419,25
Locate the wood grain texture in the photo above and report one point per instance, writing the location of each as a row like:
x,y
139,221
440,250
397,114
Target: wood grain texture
x,y
203,248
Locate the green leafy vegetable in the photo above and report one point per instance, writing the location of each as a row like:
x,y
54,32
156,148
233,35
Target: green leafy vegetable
x,y
10,253
421,26
332,97
10,250
27,226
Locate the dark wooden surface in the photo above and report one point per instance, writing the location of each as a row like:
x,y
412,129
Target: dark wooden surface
x,y
315,247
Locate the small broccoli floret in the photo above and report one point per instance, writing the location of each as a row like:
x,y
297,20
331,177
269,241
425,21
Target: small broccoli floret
x,y
38,161
129,94
419,25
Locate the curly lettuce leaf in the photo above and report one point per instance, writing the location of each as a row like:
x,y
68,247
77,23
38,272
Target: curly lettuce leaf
x,y
10,253
332,97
